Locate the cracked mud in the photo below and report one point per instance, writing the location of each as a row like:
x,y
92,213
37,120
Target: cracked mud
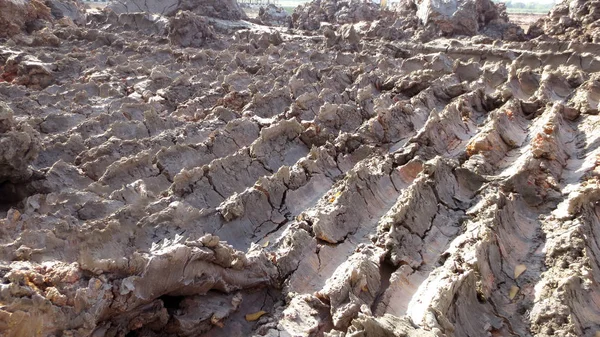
x,y
167,169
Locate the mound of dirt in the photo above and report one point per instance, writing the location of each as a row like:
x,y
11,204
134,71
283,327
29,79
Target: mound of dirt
x,y
426,18
310,15
28,16
466,17
187,29
19,146
222,9
192,176
571,20
72,9
274,16
16,15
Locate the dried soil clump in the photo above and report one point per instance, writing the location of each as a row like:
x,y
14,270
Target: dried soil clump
x,y
71,9
427,19
16,15
274,16
19,146
186,175
310,15
187,29
222,9
467,17
570,20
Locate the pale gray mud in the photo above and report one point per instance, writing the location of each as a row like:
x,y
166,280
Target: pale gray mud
x,y
167,169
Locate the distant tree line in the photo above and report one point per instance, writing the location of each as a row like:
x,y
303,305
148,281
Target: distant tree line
x,y
529,7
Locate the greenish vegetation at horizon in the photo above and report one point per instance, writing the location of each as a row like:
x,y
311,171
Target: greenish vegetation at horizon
x,y
516,7
512,7
525,11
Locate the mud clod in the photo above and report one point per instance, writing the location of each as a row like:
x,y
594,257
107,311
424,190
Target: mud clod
x,y
173,168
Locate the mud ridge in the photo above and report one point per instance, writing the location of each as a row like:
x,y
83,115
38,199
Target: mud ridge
x,y
171,169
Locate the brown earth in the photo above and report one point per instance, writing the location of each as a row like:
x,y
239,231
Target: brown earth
x,y
179,172
525,20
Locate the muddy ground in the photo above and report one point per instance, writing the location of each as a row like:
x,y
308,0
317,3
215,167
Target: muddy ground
x,y
197,174
525,20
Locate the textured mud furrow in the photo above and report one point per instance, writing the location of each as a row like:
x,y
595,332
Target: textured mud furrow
x,y
177,173
579,170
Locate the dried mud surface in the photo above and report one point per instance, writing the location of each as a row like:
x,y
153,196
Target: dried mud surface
x,y
186,175
525,20
574,20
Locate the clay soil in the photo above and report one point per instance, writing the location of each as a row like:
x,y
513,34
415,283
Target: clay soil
x,y
184,172
524,20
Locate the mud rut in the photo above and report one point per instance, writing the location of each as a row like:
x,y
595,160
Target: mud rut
x,y
378,189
